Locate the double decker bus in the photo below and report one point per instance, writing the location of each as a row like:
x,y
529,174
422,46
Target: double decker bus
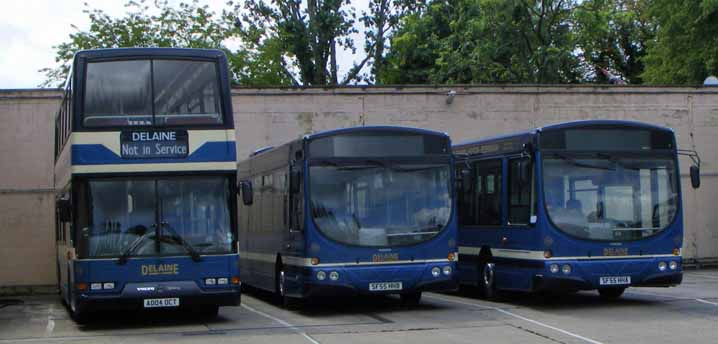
x,y
586,205
367,210
145,168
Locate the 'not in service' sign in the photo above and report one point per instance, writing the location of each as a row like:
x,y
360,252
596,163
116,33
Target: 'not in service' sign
x,y
153,144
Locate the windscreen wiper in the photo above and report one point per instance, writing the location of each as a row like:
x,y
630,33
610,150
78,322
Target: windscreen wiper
x,y
192,252
130,249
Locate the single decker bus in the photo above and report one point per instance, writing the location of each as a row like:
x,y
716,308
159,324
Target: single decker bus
x,y
586,205
367,210
145,168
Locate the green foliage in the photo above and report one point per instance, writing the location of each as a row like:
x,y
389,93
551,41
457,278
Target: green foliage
x,y
307,35
187,25
486,41
685,50
612,34
295,42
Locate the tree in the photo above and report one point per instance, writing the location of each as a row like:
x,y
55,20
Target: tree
x,y
685,49
189,25
486,41
307,36
612,35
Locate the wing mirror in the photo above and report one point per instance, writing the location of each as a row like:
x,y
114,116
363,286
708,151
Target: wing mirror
x,y
245,188
695,176
295,179
64,210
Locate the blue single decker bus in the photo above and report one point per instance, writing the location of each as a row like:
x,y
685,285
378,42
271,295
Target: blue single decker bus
x,y
366,210
587,205
145,168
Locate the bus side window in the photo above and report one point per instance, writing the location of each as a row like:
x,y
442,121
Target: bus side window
x,y
488,193
520,200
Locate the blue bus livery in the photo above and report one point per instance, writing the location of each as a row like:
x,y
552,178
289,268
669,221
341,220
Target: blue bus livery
x,y
575,206
361,210
145,169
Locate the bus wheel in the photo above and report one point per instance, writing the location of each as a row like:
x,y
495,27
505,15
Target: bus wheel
x,y
76,314
410,299
488,280
611,293
281,291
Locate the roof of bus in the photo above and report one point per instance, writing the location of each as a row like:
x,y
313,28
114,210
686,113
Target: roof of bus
x,y
149,52
372,128
340,131
562,125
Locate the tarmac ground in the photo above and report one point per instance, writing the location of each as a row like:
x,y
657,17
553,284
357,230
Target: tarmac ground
x,y
687,314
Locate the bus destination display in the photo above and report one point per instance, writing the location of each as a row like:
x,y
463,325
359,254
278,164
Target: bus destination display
x,y
153,144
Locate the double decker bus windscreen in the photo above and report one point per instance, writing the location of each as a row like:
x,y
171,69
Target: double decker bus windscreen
x,y
151,92
153,217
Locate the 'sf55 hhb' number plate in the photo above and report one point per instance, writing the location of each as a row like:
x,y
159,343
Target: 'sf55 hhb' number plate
x,y
154,303
384,286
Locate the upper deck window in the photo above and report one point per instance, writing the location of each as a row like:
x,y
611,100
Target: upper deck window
x,y
151,92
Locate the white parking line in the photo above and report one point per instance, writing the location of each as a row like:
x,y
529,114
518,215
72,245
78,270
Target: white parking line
x,y
676,297
701,275
707,302
284,323
514,315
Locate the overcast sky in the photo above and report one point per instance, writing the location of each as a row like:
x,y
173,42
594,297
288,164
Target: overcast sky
x,y
30,28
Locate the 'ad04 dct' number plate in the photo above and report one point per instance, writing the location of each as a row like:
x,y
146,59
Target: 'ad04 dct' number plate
x,y
154,303
384,286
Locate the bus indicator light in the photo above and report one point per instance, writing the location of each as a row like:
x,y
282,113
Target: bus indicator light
x,y
451,256
235,280
315,261
81,286
676,251
547,254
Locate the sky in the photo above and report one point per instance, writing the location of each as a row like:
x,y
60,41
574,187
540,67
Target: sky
x,y
30,28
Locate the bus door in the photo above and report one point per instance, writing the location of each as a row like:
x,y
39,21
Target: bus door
x,y
294,236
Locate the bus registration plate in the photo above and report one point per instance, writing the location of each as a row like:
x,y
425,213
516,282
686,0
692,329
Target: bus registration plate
x,y
383,286
154,303
614,280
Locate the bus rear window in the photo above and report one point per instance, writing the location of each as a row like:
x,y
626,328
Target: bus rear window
x,y
151,92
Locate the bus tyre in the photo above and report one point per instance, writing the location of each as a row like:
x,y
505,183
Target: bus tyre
x,y
410,299
78,315
281,291
611,293
488,281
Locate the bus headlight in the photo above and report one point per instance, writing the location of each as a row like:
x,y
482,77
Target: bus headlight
x,y
333,275
446,270
222,280
108,285
95,286
662,266
553,268
321,275
566,269
435,271
673,265
210,281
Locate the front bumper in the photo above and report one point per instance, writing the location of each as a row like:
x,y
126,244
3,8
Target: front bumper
x,y
356,279
133,295
587,274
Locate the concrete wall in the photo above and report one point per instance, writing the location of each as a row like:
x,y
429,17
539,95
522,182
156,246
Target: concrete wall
x,y
27,235
273,116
